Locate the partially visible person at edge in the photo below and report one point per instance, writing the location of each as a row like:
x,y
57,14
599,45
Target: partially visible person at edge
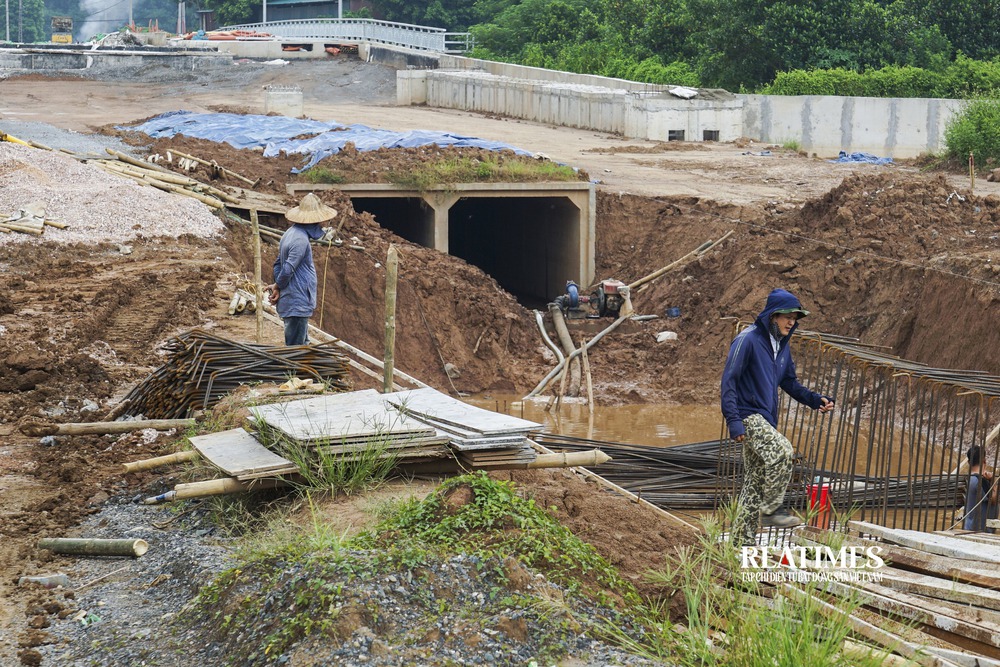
x,y
294,288
760,362
981,496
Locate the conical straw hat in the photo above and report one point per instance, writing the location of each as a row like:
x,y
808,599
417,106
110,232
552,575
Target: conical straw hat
x,y
310,210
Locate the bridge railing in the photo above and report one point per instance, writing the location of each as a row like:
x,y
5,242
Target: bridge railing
x,y
369,30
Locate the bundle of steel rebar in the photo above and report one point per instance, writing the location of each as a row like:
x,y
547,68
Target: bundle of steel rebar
x,y
202,368
678,477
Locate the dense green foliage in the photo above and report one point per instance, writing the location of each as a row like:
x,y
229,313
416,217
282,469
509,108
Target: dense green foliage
x,y
846,47
975,130
962,78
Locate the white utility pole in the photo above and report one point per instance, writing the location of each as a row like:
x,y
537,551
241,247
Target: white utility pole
x,y
263,15
340,9
7,8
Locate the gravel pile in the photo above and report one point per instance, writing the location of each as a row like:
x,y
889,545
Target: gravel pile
x,y
97,207
445,613
58,138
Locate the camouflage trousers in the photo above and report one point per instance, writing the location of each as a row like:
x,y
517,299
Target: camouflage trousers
x,y
767,468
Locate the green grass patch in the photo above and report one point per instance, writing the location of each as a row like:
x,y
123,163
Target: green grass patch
x,y
323,175
322,465
496,167
480,516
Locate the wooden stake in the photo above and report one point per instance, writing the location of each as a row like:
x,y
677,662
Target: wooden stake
x,y
391,274
94,547
257,284
972,173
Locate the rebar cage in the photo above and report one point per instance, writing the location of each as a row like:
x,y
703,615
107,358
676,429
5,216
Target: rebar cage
x,y
894,450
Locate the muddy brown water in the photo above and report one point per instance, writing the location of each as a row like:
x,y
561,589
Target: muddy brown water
x,y
656,425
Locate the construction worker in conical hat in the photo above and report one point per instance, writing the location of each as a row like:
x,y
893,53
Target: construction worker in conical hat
x,y
294,288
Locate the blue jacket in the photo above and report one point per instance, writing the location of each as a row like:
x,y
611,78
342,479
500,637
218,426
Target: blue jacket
x,y
752,375
294,273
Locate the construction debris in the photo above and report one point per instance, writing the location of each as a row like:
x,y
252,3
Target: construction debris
x,y
29,219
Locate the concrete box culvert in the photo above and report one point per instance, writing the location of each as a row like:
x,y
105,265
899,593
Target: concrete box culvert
x,y
530,237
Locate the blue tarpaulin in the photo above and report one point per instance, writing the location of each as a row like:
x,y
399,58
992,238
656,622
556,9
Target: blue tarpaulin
x,y
867,158
276,135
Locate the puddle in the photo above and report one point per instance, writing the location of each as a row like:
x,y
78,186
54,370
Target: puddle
x,y
663,425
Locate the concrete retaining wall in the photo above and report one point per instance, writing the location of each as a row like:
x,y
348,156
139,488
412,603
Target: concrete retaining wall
x,y
825,125
631,113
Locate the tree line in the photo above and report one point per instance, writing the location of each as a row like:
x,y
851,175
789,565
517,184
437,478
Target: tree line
x,y
925,48
908,48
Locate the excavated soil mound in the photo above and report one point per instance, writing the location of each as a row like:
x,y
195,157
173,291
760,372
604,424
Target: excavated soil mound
x,y
903,262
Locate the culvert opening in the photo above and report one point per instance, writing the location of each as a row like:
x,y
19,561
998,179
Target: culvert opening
x,y
409,217
529,245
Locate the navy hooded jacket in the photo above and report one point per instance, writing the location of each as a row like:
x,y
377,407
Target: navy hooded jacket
x,y
752,375
294,273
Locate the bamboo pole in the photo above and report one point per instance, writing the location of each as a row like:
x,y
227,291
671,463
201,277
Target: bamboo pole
x,y
102,428
391,276
94,546
23,229
14,140
168,187
703,248
257,282
590,390
594,457
135,162
149,464
215,487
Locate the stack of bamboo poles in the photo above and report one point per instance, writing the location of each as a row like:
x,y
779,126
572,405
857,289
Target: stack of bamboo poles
x,y
147,173
202,368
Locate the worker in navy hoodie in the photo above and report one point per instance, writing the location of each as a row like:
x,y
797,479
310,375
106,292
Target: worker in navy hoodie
x,y
293,291
760,362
